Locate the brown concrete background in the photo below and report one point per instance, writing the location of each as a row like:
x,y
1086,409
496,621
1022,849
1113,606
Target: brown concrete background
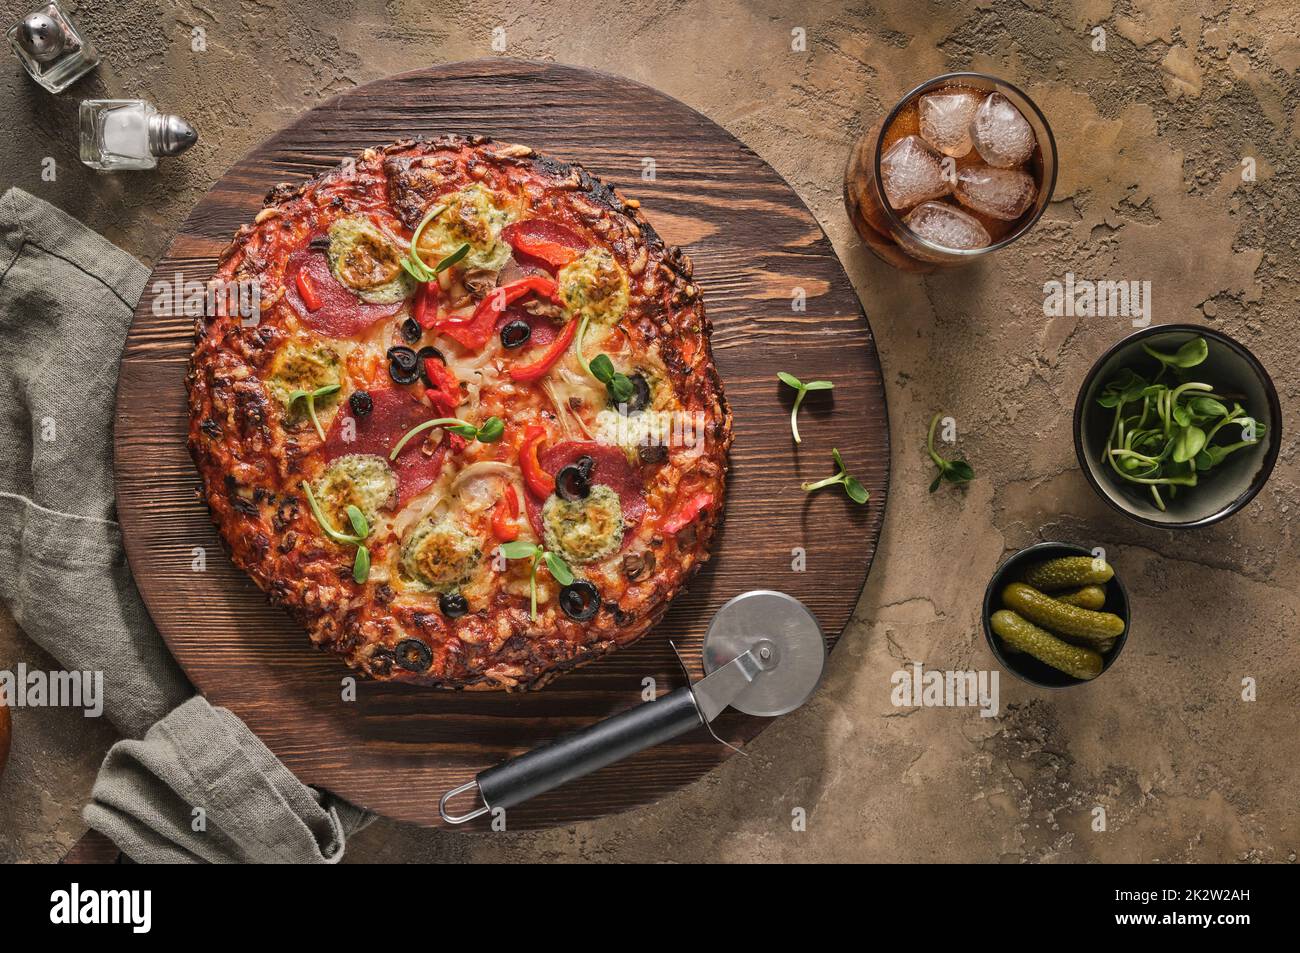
x,y
1152,132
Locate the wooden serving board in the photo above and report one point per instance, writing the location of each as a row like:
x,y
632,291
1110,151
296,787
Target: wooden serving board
x,y
756,248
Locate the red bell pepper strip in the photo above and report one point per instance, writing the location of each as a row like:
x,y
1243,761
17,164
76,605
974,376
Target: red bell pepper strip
x,y
424,309
539,483
476,330
504,527
306,291
548,241
530,372
553,253
689,510
444,395
417,304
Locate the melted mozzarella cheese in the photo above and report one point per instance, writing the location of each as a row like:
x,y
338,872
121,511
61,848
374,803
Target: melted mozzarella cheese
x,y
647,428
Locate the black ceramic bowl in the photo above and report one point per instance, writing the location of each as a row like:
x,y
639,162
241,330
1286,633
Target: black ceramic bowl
x,y
1222,491
1026,667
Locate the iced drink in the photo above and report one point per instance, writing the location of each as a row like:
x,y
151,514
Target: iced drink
x,y
962,166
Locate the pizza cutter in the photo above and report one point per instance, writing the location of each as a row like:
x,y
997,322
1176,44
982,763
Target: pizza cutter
x,y
763,655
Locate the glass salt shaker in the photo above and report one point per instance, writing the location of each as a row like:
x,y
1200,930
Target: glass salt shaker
x,y
121,134
52,49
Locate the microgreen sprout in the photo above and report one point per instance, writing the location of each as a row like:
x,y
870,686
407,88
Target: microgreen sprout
x,y
619,385
310,396
578,339
415,265
522,549
1189,355
360,530
1166,439
489,432
852,486
954,471
361,565
801,391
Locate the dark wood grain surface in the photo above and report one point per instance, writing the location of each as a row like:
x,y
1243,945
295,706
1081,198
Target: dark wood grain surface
x,y
757,251
92,848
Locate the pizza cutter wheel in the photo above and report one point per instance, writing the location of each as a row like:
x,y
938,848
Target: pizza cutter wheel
x,y
763,655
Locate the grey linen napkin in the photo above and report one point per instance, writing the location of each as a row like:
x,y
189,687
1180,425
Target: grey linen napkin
x,y
66,299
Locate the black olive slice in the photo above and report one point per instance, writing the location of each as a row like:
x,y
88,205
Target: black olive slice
x,y
580,600
585,464
515,333
402,355
361,403
572,484
403,366
413,655
411,331
640,399
453,605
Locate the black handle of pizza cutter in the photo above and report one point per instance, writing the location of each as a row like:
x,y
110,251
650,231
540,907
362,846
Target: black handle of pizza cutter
x,y
763,655
579,754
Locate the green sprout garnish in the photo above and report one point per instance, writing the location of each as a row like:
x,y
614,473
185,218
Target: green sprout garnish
x,y
490,432
361,565
414,264
522,549
954,471
852,486
619,385
1166,440
1189,355
311,396
801,390
360,530
577,340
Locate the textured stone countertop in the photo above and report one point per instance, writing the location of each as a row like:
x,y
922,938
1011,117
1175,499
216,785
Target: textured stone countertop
x,y
1152,132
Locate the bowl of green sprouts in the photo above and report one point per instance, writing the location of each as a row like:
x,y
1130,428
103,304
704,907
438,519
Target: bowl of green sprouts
x,y
1177,425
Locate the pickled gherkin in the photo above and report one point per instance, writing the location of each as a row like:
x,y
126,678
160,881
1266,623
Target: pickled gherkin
x,y
1068,572
1018,633
1086,597
1060,617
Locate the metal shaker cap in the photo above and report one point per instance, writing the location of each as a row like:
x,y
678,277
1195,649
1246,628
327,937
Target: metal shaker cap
x,y
41,36
170,135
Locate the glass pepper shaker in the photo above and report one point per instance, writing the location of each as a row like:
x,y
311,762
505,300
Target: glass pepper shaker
x,y
52,49
121,134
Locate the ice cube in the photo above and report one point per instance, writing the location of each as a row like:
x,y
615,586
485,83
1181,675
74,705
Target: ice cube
x,y
912,172
946,118
1000,133
997,193
948,226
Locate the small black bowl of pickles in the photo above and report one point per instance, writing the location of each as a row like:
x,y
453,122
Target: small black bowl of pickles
x,y
1056,615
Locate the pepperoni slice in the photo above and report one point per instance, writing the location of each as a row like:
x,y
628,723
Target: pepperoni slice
x,y
609,466
523,266
394,412
544,330
341,314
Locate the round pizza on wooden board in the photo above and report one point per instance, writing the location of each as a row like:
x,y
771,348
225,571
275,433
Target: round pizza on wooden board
x,y
471,435
777,300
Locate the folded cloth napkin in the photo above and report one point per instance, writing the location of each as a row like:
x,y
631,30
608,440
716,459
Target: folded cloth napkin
x,y
66,299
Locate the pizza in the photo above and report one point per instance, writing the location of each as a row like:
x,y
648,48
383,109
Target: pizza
x,y
473,435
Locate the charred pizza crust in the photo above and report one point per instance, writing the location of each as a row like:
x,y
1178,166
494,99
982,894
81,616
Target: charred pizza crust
x,y
254,453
